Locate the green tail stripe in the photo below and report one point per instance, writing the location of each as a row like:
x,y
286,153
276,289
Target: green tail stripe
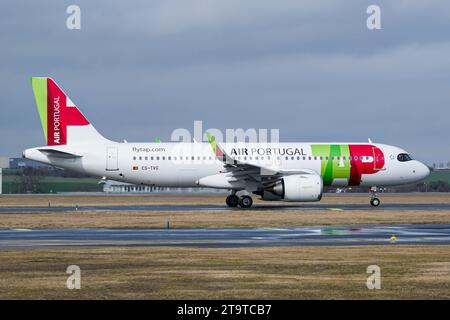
x,y
40,94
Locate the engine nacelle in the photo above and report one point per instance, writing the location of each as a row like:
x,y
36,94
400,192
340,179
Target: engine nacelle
x,y
269,196
300,187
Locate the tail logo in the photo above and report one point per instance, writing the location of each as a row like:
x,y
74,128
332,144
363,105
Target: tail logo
x,y
56,111
61,113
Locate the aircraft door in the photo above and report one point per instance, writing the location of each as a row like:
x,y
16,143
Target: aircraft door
x,y
378,159
112,159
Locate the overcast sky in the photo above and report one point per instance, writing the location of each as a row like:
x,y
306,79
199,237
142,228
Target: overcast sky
x,y
140,69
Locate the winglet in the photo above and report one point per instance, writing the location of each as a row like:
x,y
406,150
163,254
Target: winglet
x,y
215,147
219,152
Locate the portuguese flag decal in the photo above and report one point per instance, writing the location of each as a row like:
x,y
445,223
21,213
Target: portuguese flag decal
x,y
135,168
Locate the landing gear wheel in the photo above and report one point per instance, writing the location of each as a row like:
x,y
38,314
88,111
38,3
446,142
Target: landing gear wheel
x,y
375,202
232,200
245,201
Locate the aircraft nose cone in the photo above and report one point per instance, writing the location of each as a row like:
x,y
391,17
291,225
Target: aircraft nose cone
x,y
423,170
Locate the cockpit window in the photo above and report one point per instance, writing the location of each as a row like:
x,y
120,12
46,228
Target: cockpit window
x,y
403,157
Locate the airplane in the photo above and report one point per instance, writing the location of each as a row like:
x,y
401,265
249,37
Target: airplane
x,y
295,172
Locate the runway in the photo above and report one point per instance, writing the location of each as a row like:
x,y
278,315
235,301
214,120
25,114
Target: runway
x,y
197,208
225,238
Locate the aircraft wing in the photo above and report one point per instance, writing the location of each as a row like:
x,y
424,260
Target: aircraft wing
x,y
239,171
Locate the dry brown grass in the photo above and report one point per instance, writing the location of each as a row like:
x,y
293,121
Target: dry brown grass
x,y
161,199
225,219
245,273
96,200
209,219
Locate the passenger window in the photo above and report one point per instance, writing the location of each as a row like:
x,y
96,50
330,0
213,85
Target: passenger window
x,y
140,158
134,158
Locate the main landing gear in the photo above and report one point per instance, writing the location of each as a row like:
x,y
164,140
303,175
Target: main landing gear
x,y
244,201
374,201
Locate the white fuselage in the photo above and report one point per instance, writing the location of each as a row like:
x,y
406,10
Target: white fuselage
x,y
184,164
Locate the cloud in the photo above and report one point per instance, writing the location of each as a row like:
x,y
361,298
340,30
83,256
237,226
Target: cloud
x,y
311,69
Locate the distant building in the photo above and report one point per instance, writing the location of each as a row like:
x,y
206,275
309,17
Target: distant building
x,y
21,163
441,166
111,186
4,162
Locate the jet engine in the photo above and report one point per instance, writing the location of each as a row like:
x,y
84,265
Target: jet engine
x,y
299,187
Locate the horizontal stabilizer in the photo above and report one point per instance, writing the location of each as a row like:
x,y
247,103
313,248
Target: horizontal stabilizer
x,y
59,154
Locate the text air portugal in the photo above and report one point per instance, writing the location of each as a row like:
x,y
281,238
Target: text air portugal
x,y
60,115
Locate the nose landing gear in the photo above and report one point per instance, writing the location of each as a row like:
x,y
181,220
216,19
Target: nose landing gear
x,y
374,201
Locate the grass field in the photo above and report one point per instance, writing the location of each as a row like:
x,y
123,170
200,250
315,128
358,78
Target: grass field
x,y
12,184
232,218
43,200
438,176
415,272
